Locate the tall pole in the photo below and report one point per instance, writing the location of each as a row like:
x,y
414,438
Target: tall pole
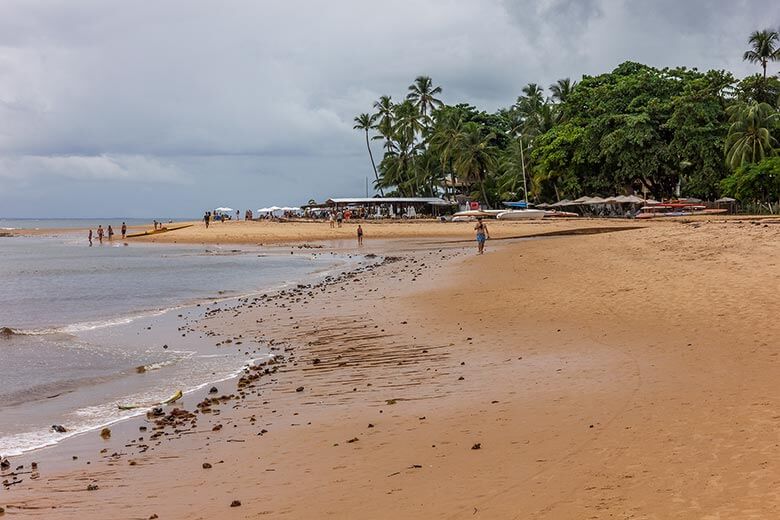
x,y
522,162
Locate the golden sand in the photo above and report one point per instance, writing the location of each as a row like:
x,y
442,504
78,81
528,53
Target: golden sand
x,y
630,374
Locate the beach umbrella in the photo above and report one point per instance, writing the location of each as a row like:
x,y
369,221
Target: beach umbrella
x,y
582,200
595,200
224,210
564,202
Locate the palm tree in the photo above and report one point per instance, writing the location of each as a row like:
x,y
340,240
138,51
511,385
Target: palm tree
x,y
561,89
444,140
366,122
385,120
749,139
422,93
534,97
764,48
475,156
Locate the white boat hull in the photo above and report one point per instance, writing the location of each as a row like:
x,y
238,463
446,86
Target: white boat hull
x,y
522,214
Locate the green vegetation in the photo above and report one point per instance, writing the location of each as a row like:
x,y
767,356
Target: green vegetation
x,y
636,129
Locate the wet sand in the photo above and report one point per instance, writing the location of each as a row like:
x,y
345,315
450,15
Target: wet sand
x,y
629,374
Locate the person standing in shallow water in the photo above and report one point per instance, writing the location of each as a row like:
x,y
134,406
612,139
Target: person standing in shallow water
x,y
360,235
110,232
482,235
206,219
100,233
90,237
124,230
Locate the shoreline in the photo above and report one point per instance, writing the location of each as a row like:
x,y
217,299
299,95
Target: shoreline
x,y
598,375
154,317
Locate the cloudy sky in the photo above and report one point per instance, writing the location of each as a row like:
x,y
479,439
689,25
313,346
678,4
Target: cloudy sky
x,y
169,107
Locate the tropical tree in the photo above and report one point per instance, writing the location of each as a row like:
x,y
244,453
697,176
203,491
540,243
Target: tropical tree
x,y
561,89
749,137
763,48
755,182
475,156
444,138
366,122
384,120
423,94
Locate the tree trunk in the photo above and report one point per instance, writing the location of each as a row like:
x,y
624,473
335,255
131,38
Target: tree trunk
x,y
373,165
482,189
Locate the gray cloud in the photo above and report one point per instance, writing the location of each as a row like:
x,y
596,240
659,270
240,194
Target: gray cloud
x,y
251,103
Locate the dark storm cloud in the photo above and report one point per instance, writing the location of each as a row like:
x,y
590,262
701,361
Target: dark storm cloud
x,y
185,104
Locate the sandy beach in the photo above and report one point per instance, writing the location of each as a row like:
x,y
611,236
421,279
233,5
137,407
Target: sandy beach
x,y
595,370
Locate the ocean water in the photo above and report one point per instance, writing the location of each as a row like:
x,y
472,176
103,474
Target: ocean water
x,y
76,322
7,224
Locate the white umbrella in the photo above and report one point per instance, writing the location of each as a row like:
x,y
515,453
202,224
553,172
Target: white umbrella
x,y
225,210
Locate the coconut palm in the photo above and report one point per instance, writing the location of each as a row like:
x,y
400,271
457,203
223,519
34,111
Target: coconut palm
x,y
366,122
561,89
475,156
444,139
422,93
764,48
749,138
385,120
534,97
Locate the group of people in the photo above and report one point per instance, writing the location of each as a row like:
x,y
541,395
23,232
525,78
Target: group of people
x,y
100,232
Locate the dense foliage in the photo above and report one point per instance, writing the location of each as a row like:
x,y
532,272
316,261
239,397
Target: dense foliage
x,y
637,129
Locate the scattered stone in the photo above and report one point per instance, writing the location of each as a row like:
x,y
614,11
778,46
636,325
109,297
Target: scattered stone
x,y
299,389
206,465
92,487
213,390
154,517
477,446
4,463
165,346
140,369
58,428
461,378
105,433
235,503
370,425
353,439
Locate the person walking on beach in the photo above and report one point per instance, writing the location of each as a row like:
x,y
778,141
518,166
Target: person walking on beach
x,y
339,218
100,233
110,232
331,220
360,235
206,219
482,235
90,237
124,230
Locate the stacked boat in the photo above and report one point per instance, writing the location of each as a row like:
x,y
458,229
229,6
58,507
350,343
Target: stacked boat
x,y
517,211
